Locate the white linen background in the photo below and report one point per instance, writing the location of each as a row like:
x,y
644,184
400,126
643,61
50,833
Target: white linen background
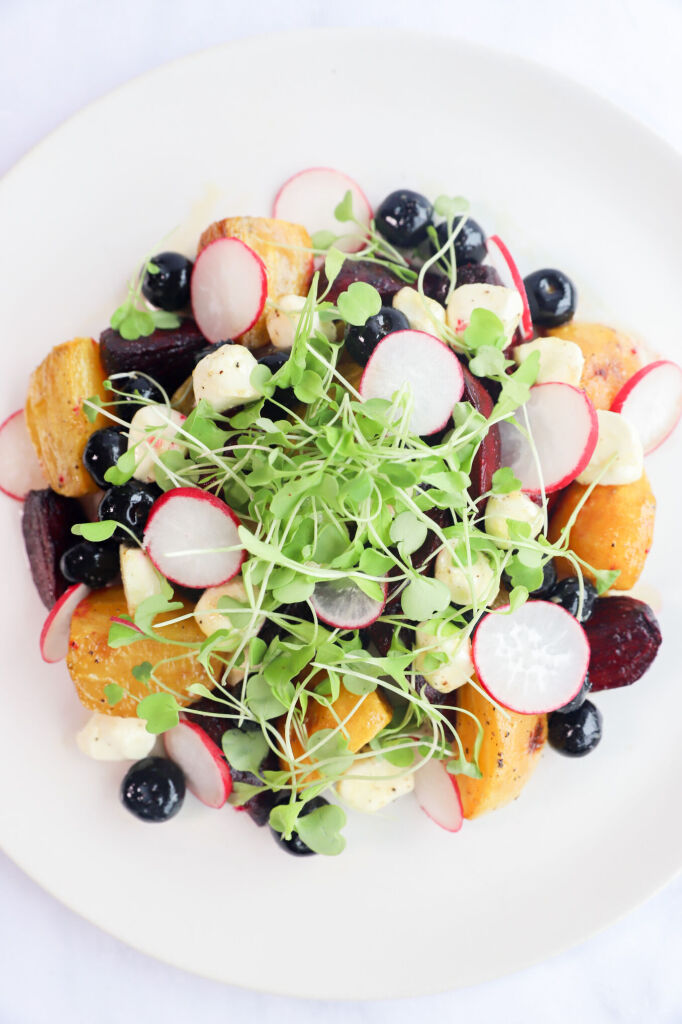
x,y
58,55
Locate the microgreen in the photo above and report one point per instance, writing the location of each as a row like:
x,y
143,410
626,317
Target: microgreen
x,y
131,321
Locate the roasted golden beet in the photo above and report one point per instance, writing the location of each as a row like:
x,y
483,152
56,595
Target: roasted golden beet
x,y
611,358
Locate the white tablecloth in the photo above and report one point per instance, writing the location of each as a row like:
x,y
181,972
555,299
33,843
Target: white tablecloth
x,y
57,55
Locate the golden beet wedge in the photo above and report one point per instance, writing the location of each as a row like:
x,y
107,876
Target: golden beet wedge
x,y
614,528
55,419
284,249
93,664
611,358
510,750
372,715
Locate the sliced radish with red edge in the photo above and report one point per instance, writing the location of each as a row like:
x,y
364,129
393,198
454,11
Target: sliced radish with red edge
x,y
206,771
533,660
652,401
564,427
20,470
190,520
54,636
427,365
310,198
438,796
343,604
229,287
500,258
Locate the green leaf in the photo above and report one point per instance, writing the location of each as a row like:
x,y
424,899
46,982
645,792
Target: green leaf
x,y
522,575
283,818
309,387
604,579
333,263
91,407
360,684
199,690
299,589
95,531
246,417
261,380
121,634
143,671
261,700
485,329
343,212
166,321
488,362
242,792
358,303
147,610
244,751
323,239
160,711
517,597
423,598
114,694
451,206
408,532
373,563
320,829
200,426
123,470
504,481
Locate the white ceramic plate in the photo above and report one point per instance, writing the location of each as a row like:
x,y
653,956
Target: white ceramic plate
x,y
568,181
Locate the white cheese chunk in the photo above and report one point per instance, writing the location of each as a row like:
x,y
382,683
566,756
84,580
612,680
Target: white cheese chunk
x,y
444,638
423,313
153,431
282,322
517,506
505,303
223,377
209,618
618,440
468,584
139,577
560,360
112,738
381,787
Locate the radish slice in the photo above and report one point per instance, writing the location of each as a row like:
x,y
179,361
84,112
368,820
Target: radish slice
x,y
20,470
341,603
206,771
310,198
533,660
564,427
54,636
438,796
429,367
229,287
652,401
196,522
500,258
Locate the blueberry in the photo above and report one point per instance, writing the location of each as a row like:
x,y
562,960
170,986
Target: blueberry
x,y
469,244
542,592
169,288
102,451
579,698
153,789
567,594
207,349
129,505
136,387
92,564
575,733
403,217
274,359
552,297
295,845
361,341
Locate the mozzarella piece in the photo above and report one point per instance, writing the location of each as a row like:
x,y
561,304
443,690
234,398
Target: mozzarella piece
x,y
209,618
505,303
452,642
139,577
473,584
617,438
153,430
223,377
420,310
282,322
380,789
560,360
515,505
111,738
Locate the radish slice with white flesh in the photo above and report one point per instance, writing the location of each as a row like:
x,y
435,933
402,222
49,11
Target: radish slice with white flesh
x,y
54,636
192,538
310,198
533,660
229,286
427,365
564,427
500,258
438,796
206,771
341,603
20,470
652,401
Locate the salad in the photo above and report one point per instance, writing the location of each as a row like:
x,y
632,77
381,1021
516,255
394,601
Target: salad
x,y
342,508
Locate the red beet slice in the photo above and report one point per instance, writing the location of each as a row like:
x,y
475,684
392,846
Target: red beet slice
x,y
46,526
624,637
384,280
488,457
165,355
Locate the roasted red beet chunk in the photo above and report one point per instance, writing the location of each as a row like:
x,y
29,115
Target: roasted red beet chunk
x,y
165,355
624,639
46,525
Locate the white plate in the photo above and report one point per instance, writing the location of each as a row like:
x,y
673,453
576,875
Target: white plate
x,y
568,181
